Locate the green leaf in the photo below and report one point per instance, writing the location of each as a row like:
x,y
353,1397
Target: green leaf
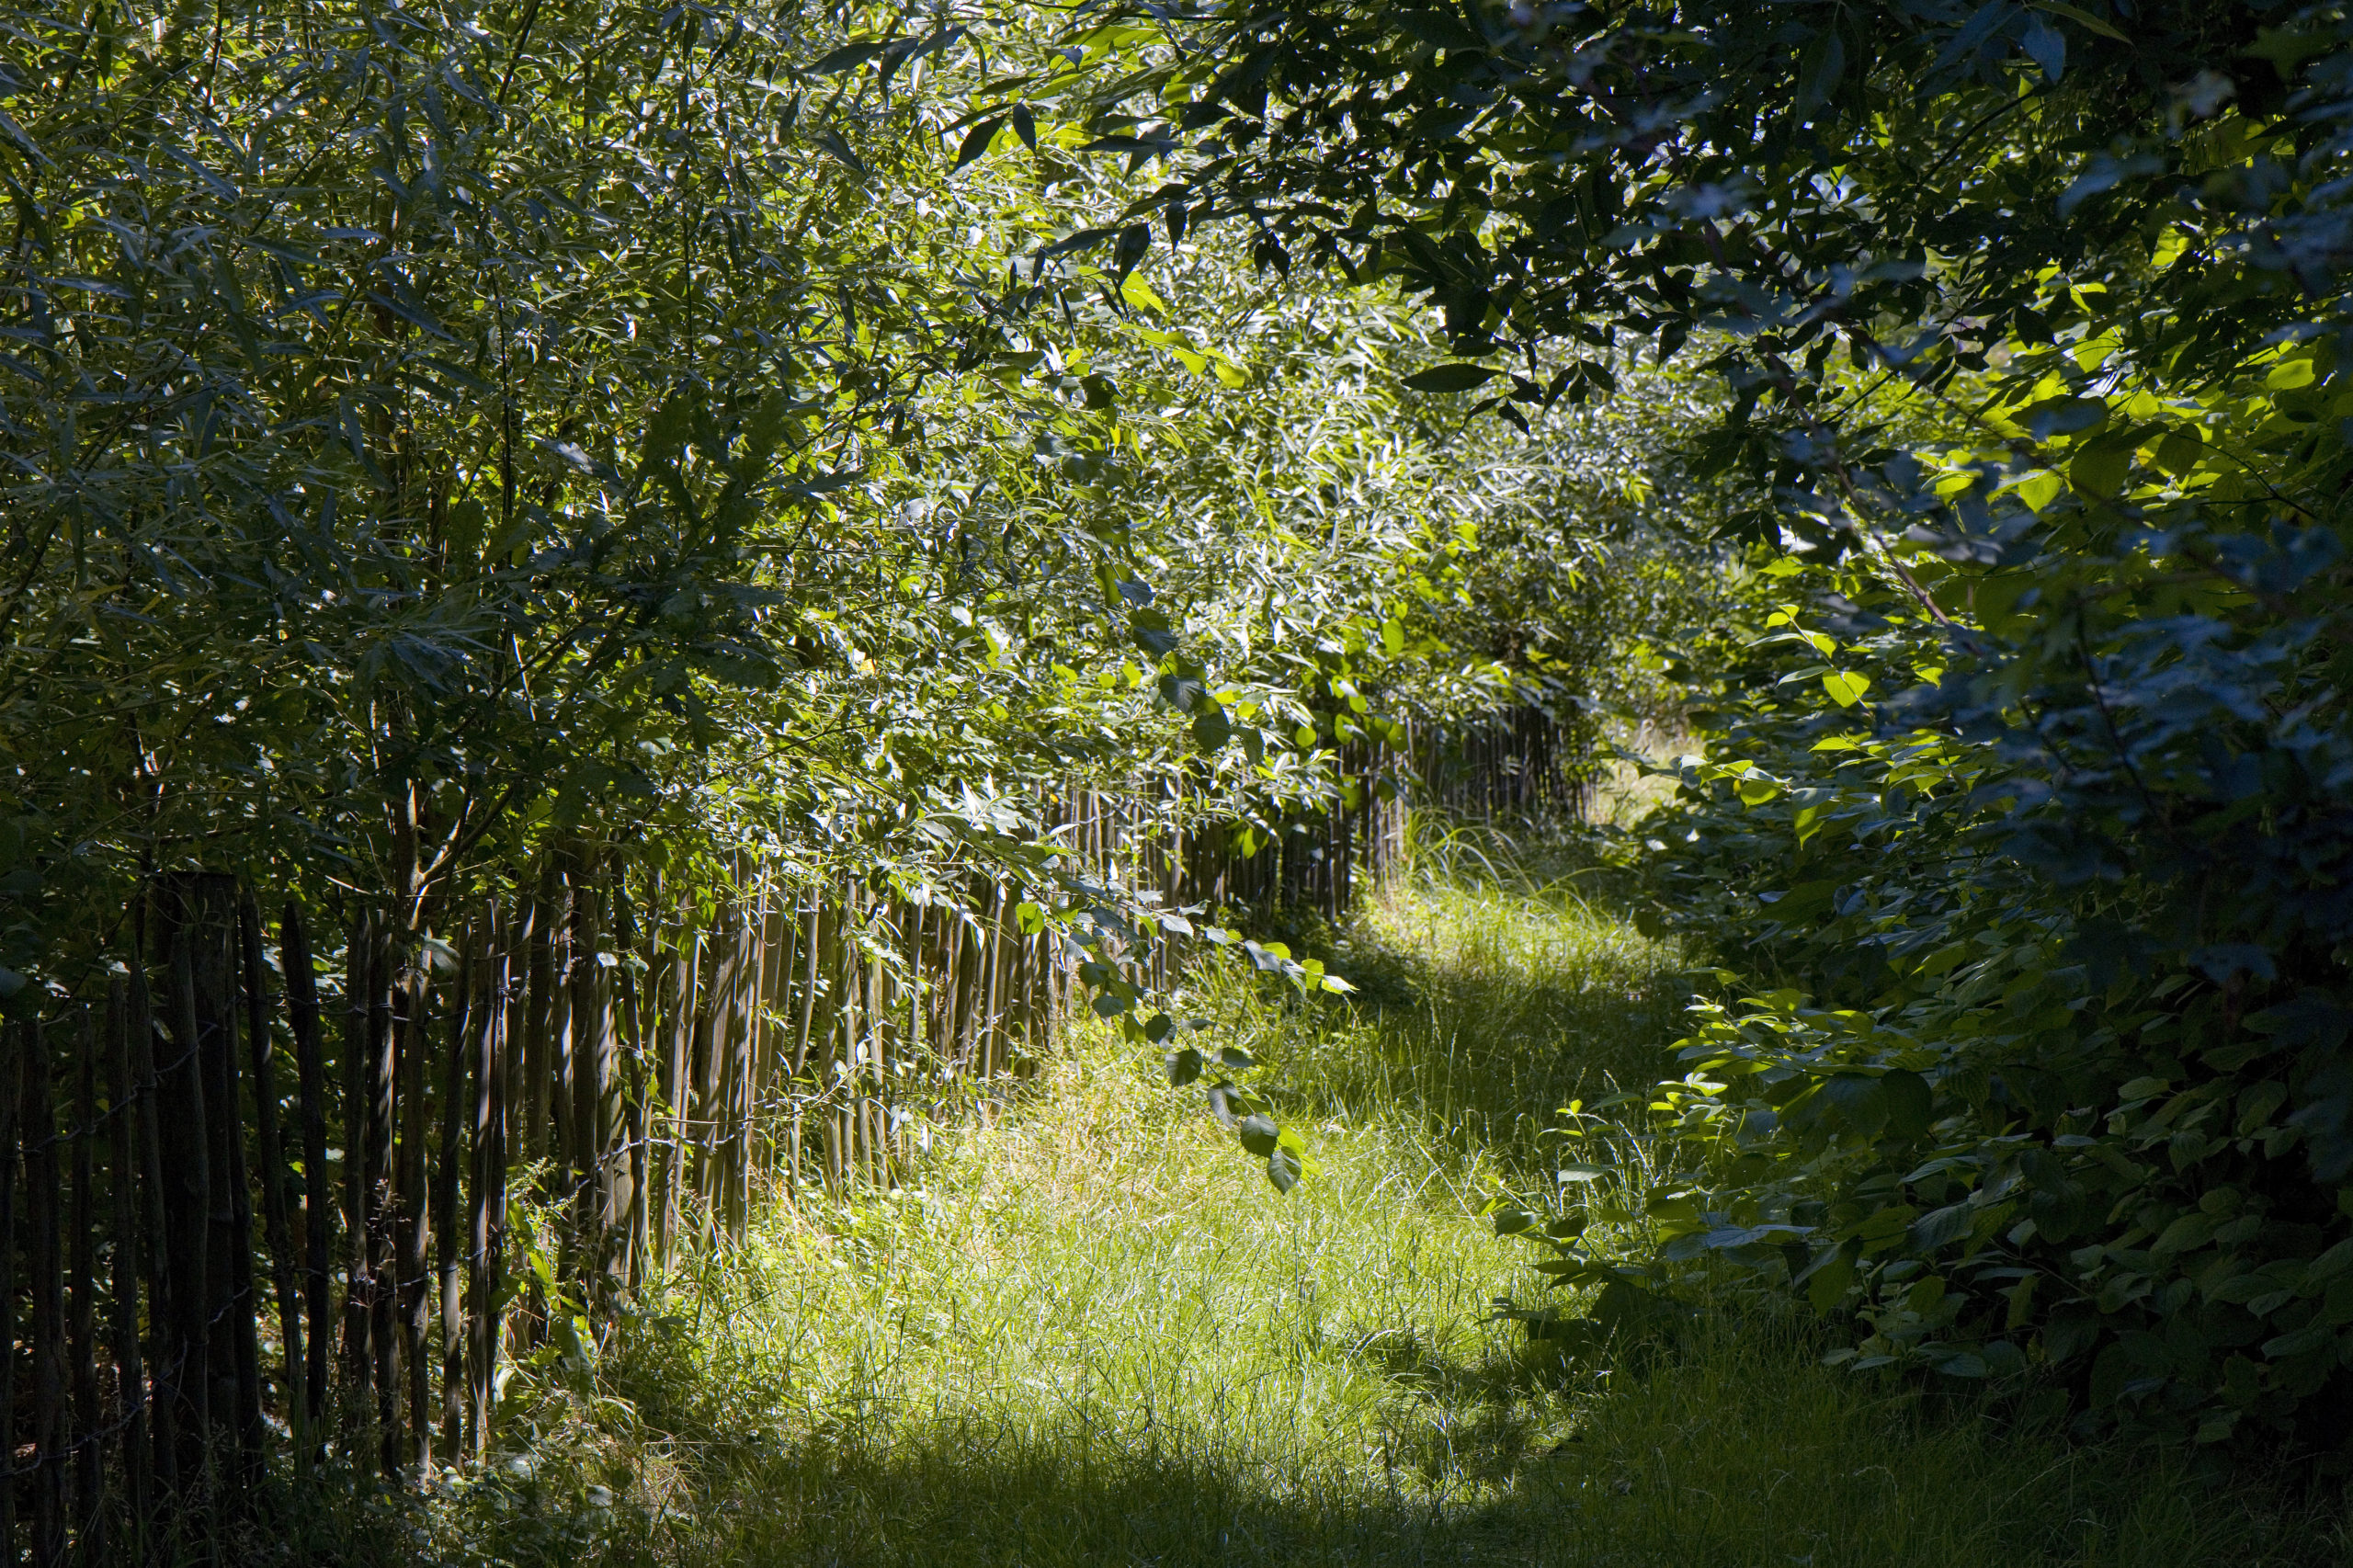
x,y
2098,469
1826,1281
1846,688
1909,1103
976,142
847,57
1824,63
1150,631
2082,17
1452,378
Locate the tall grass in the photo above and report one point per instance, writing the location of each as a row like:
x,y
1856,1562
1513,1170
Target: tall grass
x,y
1093,1335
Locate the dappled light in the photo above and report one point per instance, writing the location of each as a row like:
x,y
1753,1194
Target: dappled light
x,y
1081,1338
1171,781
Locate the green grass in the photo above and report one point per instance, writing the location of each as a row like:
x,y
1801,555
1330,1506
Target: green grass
x,y
1095,1335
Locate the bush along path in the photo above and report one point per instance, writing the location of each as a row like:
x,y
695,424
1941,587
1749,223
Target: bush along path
x,y
1088,1333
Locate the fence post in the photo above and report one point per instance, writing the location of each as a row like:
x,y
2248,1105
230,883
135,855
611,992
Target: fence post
x,y
678,1031
46,1267
184,1364
271,1153
126,1019
12,1048
233,1359
539,985
487,1237
318,1213
413,1215
360,978
89,1451
379,1067
468,1017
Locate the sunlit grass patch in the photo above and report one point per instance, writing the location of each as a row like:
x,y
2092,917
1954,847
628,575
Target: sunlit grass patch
x,y
1093,1334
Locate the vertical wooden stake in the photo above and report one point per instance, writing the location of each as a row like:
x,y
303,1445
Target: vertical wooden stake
x,y
127,1020
47,1269
468,1018
564,1147
318,1212
271,1155
591,1101
154,1253
82,1328
233,1357
12,1050
362,975
184,1365
380,1087
531,1060
415,1221
486,1238
678,1028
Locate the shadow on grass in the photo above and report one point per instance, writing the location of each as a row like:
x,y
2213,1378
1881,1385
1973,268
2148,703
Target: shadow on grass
x,y
1735,1453
1483,1005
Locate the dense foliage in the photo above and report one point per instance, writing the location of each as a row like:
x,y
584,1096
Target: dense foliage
x,y
434,434
2023,822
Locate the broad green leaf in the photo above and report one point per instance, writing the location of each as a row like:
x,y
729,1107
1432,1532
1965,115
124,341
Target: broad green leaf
x,y
1847,688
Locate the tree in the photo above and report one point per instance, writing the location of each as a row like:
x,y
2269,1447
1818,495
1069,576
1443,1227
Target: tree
x,y
2028,322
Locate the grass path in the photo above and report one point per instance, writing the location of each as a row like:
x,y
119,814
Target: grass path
x,y
1095,1335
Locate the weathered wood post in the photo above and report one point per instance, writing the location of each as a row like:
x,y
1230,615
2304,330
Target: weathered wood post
x,y
413,1201
318,1211
127,1020
380,1212
270,1153
361,974
468,1017
184,1363
486,1232
82,1325
46,1267
12,1052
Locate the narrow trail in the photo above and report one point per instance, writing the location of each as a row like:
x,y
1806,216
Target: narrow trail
x,y
1095,1335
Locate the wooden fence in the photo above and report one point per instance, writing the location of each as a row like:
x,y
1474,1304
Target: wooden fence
x,y
264,1184
1521,763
